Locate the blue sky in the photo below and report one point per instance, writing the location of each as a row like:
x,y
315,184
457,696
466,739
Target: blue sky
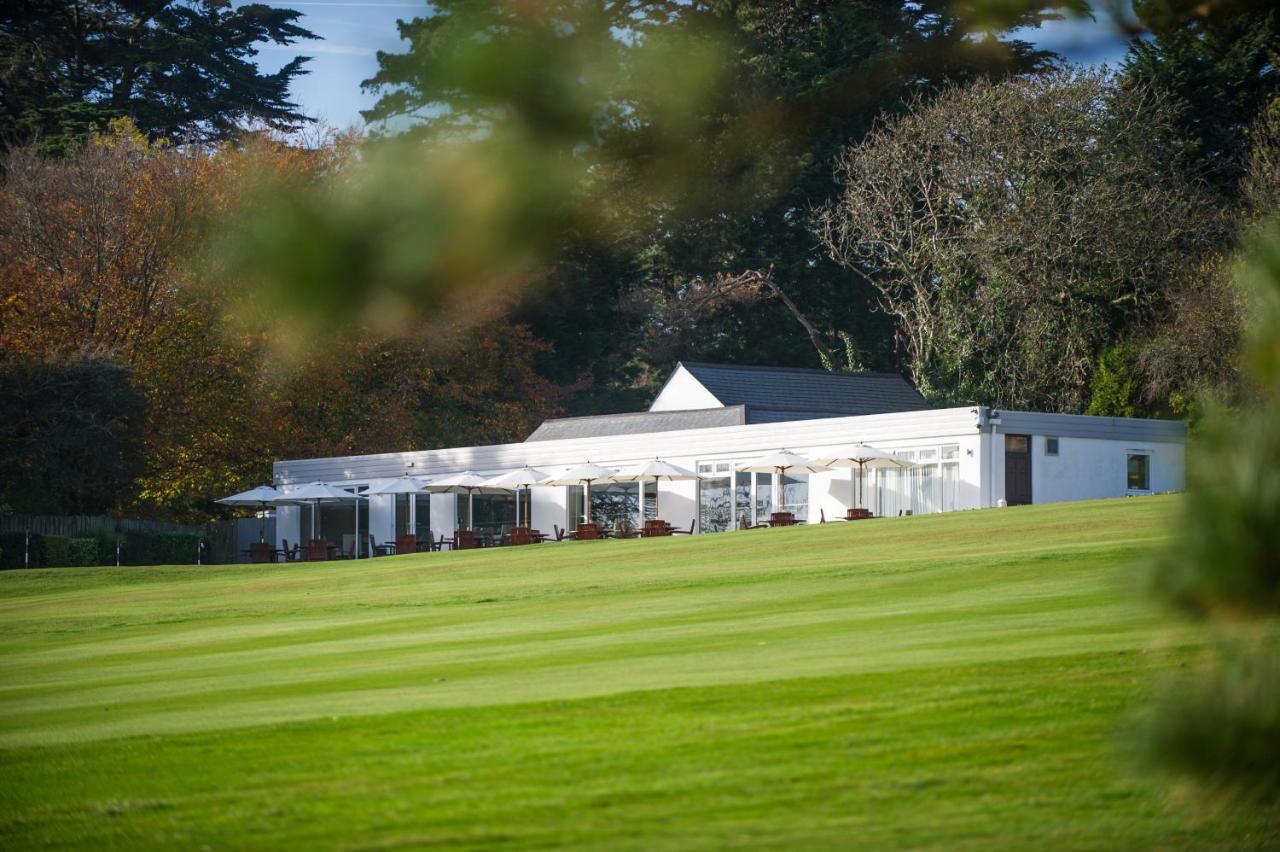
x,y
354,30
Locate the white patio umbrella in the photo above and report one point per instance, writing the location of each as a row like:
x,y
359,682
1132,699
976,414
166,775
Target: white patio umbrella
x,y
262,497
399,485
514,481
861,456
584,475
467,483
654,471
322,492
779,463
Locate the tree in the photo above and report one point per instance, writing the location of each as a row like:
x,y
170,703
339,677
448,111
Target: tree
x,y
696,137
176,68
70,438
1217,65
1015,230
111,254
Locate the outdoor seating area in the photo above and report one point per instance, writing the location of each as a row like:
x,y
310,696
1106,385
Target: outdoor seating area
x,y
517,531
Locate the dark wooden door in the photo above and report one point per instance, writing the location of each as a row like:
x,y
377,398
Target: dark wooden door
x,y
1017,469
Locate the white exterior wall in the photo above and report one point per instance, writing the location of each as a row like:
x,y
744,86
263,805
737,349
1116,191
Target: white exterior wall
x,y
1087,467
683,392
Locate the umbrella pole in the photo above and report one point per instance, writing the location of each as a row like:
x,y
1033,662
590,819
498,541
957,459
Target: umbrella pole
x,y
471,509
262,522
314,525
586,499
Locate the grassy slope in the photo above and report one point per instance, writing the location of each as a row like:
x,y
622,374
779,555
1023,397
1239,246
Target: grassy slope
x,y
946,681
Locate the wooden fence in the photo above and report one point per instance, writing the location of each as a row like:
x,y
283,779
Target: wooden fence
x,y
219,536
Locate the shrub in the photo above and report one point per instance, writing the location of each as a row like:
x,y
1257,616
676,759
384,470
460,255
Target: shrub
x,y
1222,723
63,552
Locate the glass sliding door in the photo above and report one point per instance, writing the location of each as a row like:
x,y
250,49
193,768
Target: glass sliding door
x,y
950,478
743,501
715,497
575,507
764,496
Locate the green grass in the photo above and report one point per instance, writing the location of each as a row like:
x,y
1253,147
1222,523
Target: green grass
x,y
955,681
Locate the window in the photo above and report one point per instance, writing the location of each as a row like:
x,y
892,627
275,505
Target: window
x,y
1139,472
1050,446
615,504
1016,444
764,496
422,514
715,497
742,500
575,507
493,512
795,494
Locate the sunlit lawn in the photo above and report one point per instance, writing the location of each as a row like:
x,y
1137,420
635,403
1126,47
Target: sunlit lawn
x,y
957,681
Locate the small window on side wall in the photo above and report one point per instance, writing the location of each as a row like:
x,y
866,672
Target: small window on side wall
x,y
1050,446
1139,470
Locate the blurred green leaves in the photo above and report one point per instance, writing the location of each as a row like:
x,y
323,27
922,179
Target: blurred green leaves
x,y
1222,724
537,111
1228,557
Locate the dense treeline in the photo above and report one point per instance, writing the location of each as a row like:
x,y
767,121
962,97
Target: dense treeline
x,y
133,375
556,204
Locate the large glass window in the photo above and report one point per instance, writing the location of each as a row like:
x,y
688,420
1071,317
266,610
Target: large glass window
x,y
894,487
1139,472
615,504
715,497
650,499
422,514
401,511
494,513
338,523
795,494
950,486
575,506
743,502
764,497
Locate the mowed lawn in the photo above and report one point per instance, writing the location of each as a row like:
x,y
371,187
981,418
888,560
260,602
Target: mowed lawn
x,y
954,681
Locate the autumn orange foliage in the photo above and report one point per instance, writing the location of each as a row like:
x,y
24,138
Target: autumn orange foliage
x,y
110,253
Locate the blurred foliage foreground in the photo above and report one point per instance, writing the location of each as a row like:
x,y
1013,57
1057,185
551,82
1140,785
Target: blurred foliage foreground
x,y
1222,723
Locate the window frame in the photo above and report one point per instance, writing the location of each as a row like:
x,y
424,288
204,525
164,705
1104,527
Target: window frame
x,y
1130,455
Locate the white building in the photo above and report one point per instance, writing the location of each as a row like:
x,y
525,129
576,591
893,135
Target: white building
x,y
712,418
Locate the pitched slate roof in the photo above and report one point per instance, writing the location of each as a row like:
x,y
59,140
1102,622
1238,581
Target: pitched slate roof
x,y
636,423
773,394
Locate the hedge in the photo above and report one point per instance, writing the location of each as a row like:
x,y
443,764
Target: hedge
x,y
70,552
136,548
